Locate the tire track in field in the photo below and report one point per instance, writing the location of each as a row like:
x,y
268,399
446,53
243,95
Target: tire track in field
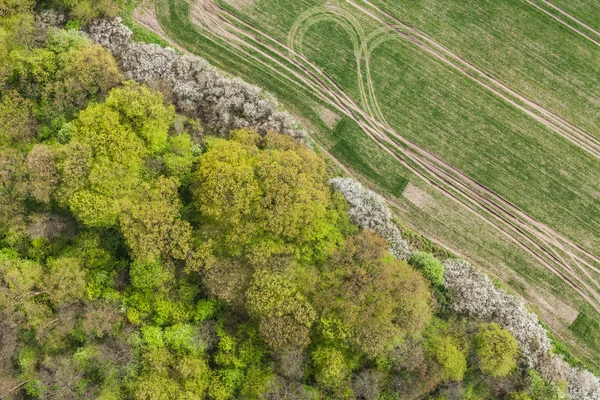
x,y
560,121
563,261
569,16
366,128
381,32
569,131
425,165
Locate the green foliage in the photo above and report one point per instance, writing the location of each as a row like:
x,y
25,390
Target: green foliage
x,y
268,196
330,366
431,268
368,298
284,315
134,264
538,389
151,223
449,356
86,10
9,7
102,166
497,349
16,118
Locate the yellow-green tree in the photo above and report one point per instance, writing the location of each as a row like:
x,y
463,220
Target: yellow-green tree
x,y
151,223
102,166
497,349
265,195
284,314
450,357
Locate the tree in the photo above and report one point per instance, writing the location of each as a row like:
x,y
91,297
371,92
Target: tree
x,y
449,356
9,7
43,174
86,10
21,287
87,72
17,123
365,292
228,279
330,366
431,268
151,223
101,167
284,314
263,197
497,349
65,281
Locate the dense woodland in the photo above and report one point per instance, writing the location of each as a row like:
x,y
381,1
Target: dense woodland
x,y
146,254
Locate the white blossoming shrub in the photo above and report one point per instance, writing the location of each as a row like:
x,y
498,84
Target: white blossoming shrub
x,y
199,90
473,293
583,385
370,211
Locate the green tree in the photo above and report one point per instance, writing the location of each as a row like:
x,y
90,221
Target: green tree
x,y
367,298
284,314
21,291
151,223
9,7
265,195
497,349
65,281
17,123
330,367
43,173
447,353
102,166
86,10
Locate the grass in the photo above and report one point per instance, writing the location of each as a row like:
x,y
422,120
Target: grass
x,y
434,106
588,330
140,34
513,41
586,11
353,147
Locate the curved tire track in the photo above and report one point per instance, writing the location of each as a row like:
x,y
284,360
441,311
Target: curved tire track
x,y
485,204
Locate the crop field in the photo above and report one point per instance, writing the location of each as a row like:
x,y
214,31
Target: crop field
x,y
479,122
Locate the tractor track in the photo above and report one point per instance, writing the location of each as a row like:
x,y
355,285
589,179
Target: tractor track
x,y
578,136
537,239
569,16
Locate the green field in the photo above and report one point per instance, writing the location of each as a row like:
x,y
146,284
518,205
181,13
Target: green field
x,y
450,113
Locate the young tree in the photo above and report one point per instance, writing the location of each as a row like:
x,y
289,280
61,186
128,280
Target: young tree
x,y
102,166
43,174
431,268
497,349
449,356
151,223
17,123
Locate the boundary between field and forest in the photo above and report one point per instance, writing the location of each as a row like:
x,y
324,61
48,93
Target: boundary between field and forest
x,y
373,123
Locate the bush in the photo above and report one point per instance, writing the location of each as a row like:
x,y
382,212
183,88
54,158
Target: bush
x,y
431,268
497,350
449,356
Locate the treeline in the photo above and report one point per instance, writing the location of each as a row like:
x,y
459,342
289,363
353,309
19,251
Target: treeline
x,y
142,258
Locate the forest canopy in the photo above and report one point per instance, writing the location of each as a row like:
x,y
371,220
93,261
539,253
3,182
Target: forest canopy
x,y
142,257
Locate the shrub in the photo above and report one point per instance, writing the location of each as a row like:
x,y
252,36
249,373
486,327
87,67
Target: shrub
x,y
449,356
431,268
497,350
369,211
474,294
200,91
